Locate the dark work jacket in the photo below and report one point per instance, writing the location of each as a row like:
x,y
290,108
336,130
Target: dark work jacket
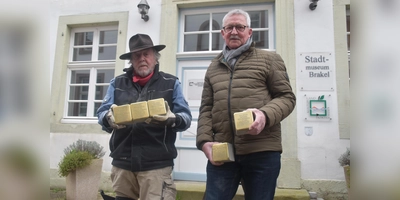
x,y
141,146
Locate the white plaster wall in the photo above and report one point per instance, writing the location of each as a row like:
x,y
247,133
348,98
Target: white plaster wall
x,y
58,141
80,7
319,152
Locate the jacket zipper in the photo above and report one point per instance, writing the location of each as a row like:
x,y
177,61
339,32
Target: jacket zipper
x,y
165,136
229,104
230,112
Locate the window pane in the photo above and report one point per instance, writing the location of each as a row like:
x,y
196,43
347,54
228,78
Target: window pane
x,y
80,76
197,42
104,75
259,19
108,37
96,106
82,54
261,39
107,53
217,20
84,38
217,41
197,22
77,109
78,92
348,42
348,31
100,92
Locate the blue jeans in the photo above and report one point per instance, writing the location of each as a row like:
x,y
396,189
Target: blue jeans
x,y
257,171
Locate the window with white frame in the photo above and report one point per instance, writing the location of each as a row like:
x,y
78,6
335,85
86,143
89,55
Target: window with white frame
x,y
201,28
348,33
348,27
90,69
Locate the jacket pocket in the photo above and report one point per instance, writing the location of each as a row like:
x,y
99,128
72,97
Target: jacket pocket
x,y
169,190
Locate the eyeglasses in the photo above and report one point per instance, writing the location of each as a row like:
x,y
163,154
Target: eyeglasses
x,y
239,28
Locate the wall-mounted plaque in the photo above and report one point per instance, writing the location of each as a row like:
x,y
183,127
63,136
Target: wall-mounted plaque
x,y
316,72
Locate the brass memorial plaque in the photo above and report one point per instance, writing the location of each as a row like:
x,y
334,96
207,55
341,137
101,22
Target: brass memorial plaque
x,y
122,114
223,152
243,121
156,107
139,111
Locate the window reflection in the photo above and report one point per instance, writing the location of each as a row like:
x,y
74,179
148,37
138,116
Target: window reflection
x,y
200,35
108,37
84,38
104,75
79,89
201,41
259,19
197,22
261,39
77,109
217,41
217,20
348,34
89,82
82,54
107,53
196,42
80,76
348,28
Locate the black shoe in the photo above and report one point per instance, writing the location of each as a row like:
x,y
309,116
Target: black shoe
x,y
106,197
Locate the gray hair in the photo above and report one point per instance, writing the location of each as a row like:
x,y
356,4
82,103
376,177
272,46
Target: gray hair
x,y
157,54
237,12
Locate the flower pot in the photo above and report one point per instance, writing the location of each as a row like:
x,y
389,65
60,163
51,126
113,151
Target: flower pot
x,y
83,184
346,169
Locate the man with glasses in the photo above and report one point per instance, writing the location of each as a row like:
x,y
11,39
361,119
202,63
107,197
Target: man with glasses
x,y
243,78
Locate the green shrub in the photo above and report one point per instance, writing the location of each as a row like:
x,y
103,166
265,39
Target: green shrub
x,y
344,159
78,155
94,148
74,160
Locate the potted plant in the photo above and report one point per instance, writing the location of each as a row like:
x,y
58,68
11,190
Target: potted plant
x,y
344,161
81,165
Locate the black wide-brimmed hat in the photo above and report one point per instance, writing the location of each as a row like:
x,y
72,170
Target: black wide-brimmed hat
x,y
140,42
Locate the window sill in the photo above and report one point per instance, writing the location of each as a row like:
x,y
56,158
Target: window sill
x,y
79,121
206,54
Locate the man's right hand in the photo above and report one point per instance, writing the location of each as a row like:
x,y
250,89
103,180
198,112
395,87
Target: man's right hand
x,y
207,149
111,120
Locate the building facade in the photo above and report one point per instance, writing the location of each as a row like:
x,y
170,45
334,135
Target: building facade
x,y
86,38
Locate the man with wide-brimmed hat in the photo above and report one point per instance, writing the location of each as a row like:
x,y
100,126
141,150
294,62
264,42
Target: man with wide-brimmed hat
x,y
143,152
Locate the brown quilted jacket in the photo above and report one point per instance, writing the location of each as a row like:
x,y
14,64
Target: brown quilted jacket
x,y
259,80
